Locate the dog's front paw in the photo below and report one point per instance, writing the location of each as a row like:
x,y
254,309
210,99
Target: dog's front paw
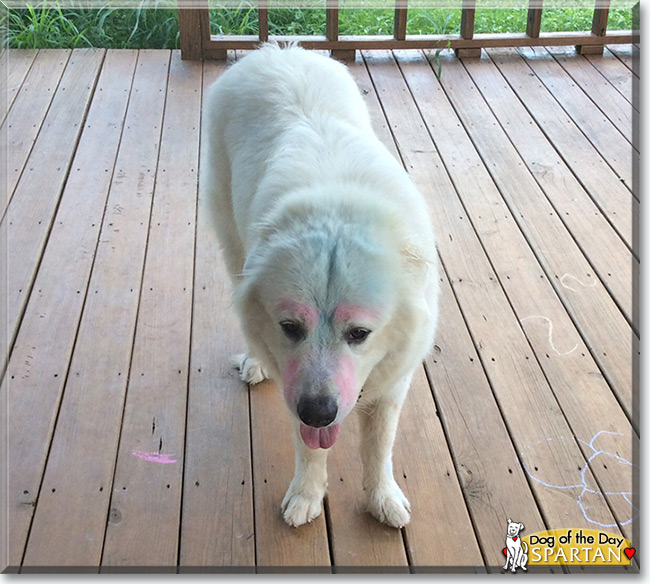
x,y
387,504
250,369
302,505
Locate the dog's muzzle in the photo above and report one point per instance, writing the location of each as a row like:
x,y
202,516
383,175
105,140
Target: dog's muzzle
x,y
318,411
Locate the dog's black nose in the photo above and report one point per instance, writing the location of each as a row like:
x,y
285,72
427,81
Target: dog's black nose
x,y
317,411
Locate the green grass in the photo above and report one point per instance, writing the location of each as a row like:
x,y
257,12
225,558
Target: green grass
x,y
53,27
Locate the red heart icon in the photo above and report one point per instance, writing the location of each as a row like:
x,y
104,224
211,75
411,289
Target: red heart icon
x,y
629,552
505,552
514,538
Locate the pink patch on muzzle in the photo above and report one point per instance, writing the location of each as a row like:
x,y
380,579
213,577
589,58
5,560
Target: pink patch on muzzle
x,y
319,437
289,382
346,382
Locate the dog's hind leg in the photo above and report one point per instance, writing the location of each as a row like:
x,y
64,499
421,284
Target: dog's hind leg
x,y
385,499
304,498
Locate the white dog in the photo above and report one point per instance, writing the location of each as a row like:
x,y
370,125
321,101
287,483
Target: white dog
x,y
516,553
332,256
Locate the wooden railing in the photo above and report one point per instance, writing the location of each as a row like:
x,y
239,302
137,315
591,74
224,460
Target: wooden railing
x,y
197,42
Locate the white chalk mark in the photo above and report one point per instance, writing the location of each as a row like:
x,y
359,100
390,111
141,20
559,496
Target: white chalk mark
x,y
625,496
566,276
550,334
583,476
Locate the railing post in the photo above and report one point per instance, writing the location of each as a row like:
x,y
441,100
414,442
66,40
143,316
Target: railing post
x,y
263,20
332,32
190,37
467,29
598,28
194,31
401,16
534,24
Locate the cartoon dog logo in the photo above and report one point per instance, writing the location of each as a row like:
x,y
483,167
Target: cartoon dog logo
x,y
516,553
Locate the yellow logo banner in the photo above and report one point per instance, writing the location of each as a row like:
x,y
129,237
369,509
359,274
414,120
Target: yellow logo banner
x,y
577,547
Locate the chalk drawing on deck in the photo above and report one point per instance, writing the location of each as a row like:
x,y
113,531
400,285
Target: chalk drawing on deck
x,y
550,334
585,489
567,276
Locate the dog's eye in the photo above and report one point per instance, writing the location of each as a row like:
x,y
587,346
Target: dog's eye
x,y
356,336
292,330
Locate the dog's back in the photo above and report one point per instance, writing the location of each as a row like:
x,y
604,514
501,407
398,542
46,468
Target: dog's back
x,y
285,119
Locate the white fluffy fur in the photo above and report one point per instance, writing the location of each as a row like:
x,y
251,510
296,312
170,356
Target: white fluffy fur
x,y
310,206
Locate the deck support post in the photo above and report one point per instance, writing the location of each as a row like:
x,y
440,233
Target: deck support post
x,y
263,20
189,26
598,28
467,29
401,16
332,32
194,29
534,22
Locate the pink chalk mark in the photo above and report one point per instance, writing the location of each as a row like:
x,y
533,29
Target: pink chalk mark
x,y
354,313
346,382
289,381
155,457
308,314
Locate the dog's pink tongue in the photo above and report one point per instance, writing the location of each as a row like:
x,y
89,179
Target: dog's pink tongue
x,y
319,437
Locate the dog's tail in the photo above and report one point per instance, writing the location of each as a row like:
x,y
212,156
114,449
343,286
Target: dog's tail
x,y
524,546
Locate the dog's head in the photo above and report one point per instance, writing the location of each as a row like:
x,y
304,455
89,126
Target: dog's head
x,y
317,300
514,528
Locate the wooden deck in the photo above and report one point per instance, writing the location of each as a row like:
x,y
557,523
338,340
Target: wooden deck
x,y
132,444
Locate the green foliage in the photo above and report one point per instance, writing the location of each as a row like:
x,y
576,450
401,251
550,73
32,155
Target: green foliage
x,y
50,26
45,27
297,21
242,20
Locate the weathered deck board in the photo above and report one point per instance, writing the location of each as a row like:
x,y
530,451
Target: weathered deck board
x,y
432,488
610,102
124,277
442,491
18,65
278,546
542,316
590,306
39,362
629,55
143,521
452,371
30,214
444,386
604,186
605,137
30,107
485,458
616,73
216,531
518,380
357,540
606,252
78,480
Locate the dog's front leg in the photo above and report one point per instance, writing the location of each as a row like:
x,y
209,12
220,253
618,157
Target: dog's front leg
x,y
303,501
385,499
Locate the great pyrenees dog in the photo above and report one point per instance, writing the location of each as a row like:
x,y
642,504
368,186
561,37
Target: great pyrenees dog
x,y
332,257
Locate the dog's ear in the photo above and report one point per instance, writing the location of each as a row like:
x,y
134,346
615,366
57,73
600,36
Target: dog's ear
x,y
509,521
415,256
253,319
521,526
